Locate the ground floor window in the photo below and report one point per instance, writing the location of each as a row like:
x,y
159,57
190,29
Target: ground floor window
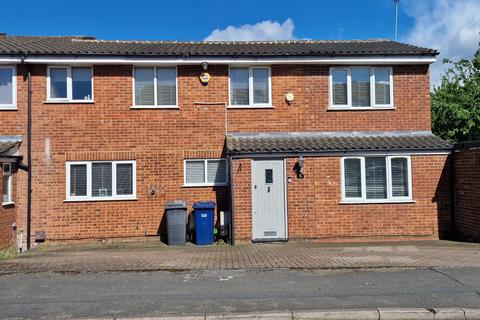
x,y
101,180
376,179
205,172
7,183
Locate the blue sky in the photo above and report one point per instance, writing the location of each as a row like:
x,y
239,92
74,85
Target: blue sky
x,y
451,26
195,20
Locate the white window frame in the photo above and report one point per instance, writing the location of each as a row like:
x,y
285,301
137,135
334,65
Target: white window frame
x,y
390,198
348,106
8,174
114,195
250,88
13,105
69,86
205,168
155,106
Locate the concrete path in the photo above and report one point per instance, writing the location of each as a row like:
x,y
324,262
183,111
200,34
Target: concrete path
x,y
154,256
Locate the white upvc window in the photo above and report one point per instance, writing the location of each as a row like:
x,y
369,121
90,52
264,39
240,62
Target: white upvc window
x,y
69,84
7,184
155,87
250,87
8,88
376,179
361,88
101,180
205,172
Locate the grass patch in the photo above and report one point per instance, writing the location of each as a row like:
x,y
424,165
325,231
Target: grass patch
x,y
8,254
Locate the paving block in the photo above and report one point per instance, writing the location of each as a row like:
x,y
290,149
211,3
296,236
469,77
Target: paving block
x,y
336,315
405,314
449,314
287,315
472,314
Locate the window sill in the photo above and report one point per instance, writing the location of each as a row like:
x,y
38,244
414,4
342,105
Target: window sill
x,y
251,107
379,202
155,107
8,108
7,204
69,101
205,185
360,108
100,199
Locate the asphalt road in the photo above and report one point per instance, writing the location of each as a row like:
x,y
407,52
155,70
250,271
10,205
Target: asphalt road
x,y
57,295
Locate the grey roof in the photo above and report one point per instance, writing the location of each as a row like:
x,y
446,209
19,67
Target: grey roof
x,y
333,142
8,143
35,45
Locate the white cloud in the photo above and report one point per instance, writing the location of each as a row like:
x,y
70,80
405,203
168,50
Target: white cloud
x,y
265,30
450,26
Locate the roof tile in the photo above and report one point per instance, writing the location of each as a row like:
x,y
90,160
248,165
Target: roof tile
x,y
333,142
88,46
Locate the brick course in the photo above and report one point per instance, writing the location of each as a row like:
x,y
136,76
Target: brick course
x,y
159,140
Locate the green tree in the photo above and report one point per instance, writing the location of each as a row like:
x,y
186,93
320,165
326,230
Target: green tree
x,y
456,102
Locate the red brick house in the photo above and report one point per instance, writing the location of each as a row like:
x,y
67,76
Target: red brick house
x,y
9,158
325,140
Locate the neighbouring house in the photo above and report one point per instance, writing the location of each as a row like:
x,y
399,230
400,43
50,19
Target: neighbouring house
x,y
326,140
467,190
9,159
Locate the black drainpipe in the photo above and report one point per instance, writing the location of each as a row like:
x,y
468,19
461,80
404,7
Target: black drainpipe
x,y
231,225
29,153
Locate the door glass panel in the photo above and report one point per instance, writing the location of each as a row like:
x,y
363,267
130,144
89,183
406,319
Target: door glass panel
x,y
268,175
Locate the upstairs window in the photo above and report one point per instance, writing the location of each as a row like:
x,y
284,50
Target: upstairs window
x,y
73,84
8,88
205,172
357,88
376,179
155,87
7,184
103,180
250,86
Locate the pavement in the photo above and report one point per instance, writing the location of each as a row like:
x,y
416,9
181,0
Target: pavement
x,y
154,256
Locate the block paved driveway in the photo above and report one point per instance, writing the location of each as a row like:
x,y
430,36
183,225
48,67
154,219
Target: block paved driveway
x,y
153,256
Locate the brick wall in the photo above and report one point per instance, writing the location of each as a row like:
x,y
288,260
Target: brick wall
x,y
159,140
314,209
8,215
467,192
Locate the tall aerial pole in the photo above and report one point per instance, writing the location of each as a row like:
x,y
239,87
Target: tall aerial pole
x,y
396,19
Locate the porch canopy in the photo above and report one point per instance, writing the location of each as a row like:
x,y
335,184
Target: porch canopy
x,y
9,146
334,142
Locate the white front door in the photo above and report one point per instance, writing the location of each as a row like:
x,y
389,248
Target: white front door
x,y
269,220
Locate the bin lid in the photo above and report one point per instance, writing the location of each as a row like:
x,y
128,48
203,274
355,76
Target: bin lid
x,y
176,204
204,205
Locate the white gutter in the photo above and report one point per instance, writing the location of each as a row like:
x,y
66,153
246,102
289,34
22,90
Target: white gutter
x,y
135,60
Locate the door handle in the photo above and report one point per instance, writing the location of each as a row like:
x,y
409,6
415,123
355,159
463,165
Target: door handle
x,y
268,189
255,187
